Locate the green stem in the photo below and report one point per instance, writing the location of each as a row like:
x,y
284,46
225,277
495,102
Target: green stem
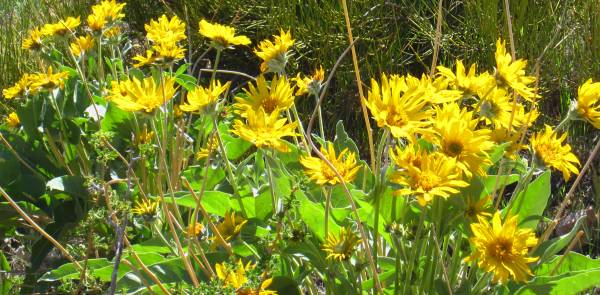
x,y
320,117
232,179
271,183
327,206
301,128
217,59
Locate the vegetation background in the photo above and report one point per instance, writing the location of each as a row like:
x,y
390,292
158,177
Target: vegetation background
x,y
395,37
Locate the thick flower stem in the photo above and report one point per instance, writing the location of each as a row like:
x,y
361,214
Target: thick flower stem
x,y
274,200
329,189
216,65
232,179
320,117
301,128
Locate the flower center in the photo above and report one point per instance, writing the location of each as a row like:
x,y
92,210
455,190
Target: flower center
x,y
546,153
270,104
397,119
427,182
454,148
501,250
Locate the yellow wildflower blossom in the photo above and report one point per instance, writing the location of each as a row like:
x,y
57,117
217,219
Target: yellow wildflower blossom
x,y
141,95
342,246
237,279
588,102
202,99
81,45
502,248
195,230
398,107
476,209
550,152
105,13
165,30
278,96
13,120
34,40
436,176
274,53
222,36
264,130
458,139
511,73
62,27
230,227
319,172
310,84
468,82
146,208
20,89
48,80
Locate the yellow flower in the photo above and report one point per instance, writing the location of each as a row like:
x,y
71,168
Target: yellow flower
x,y
144,137
105,13
342,246
278,96
318,171
409,156
264,130
478,208
112,32
13,120
20,88
588,102
502,249
82,45
237,279
399,107
202,99
165,30
212,144
436,90
230,227
496,108
34,40
222,36
146,208
458,139
274,54
62,27
48,81
141,95
550,152
511,73
142,60
195,230
501,135
467,82
436,175
310,84
168,52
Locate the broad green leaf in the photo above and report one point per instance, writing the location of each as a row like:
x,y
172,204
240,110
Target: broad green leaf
x,y
215,202
235,147
489,183
69,271
565,284
572,261
313,215
551,247
195,175
531,203
284,285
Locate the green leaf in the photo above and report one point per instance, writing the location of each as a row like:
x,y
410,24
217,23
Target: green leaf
x,y
531,203
69,270
284,285
313,215
489,183
564,284
572,261
235,147
214,202
195,175
551,247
